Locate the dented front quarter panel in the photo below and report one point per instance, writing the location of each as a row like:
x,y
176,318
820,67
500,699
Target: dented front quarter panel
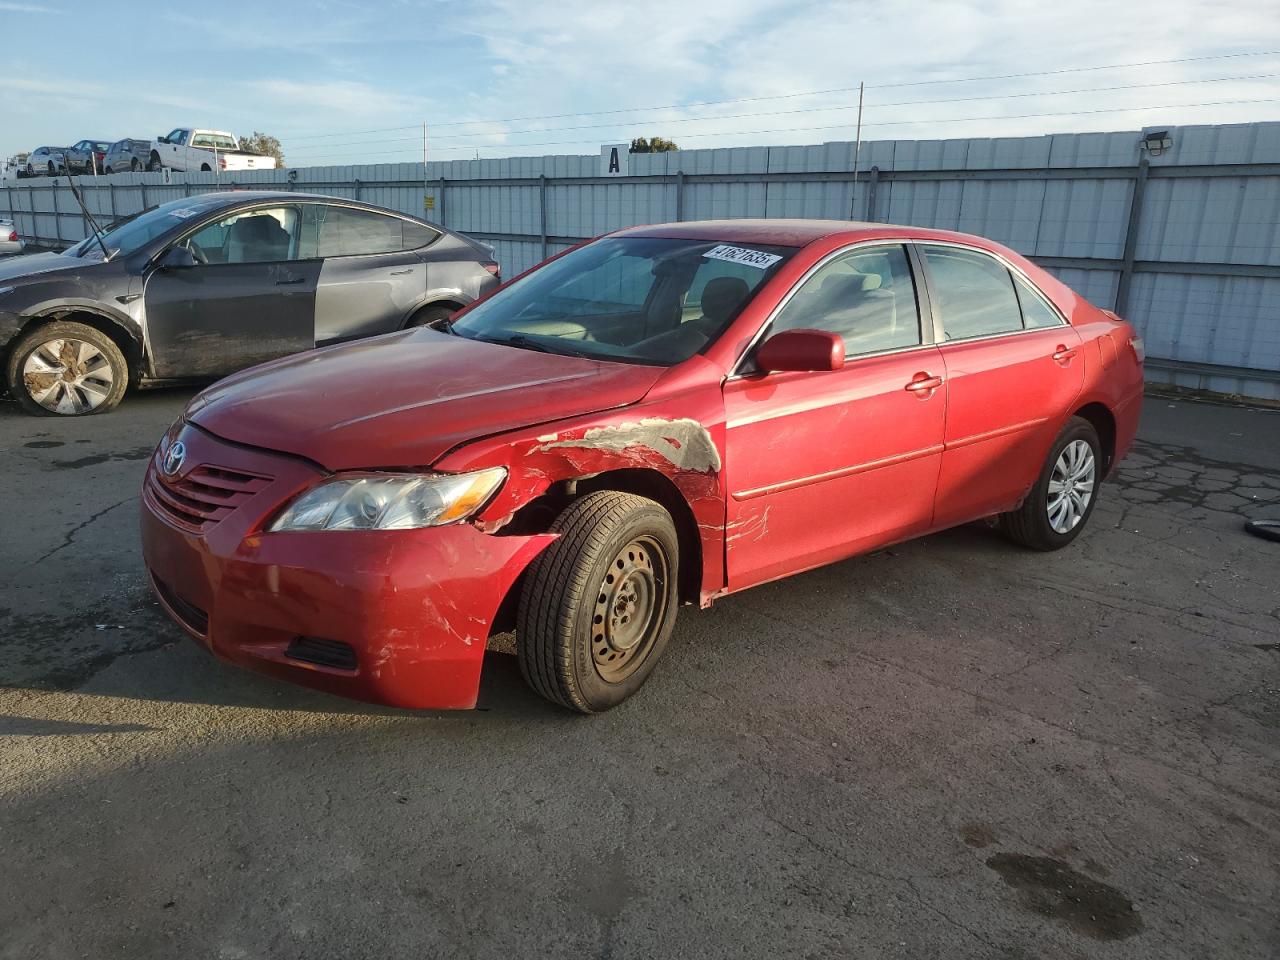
x,y
678,433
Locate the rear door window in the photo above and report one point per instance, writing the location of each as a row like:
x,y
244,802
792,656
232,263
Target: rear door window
x,y
973,292
334,231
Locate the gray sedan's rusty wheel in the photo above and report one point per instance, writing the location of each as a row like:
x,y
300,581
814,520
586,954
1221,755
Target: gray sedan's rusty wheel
x,y
599,604
67,369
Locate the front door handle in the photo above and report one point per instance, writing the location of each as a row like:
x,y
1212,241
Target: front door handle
x,y
285,283
1064,354
923,384
400,273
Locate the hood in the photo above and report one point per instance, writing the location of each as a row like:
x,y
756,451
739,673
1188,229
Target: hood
x,y
406,399
32,264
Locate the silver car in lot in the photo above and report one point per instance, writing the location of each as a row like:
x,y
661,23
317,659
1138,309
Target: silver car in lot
x,y
10,242
49,161
127,156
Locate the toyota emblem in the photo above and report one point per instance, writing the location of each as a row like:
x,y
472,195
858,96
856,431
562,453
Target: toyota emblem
x,y
173,458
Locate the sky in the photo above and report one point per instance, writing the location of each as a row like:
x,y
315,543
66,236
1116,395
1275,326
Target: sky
x,y
344,82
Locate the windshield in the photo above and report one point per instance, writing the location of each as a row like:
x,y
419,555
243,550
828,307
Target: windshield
x,y
131,234
636,299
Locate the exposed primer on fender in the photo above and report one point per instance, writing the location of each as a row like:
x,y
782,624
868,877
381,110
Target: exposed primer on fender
x,y
685,443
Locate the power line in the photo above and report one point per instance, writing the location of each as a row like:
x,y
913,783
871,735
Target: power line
x,y
778,113
881,123
814,93
808,110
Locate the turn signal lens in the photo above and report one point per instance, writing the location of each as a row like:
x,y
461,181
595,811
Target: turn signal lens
x,y
389,501
1139,348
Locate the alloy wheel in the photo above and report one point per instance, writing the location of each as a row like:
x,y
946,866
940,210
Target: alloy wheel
x,y
1071,486
68,376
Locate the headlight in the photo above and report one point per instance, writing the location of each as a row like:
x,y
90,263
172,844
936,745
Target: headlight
x,y
391,501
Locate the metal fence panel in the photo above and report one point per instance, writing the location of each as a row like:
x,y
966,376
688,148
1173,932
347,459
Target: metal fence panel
x,y
1184,239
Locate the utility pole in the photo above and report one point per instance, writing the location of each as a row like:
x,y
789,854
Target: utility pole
x,y
857,150
424,148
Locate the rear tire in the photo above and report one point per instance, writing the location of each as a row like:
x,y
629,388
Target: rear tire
x,y
108,171
39,363
133,165
599,604
1062,500
429,315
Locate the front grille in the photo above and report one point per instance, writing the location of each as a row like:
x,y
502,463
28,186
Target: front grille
x,y
205,495
192,616
321,652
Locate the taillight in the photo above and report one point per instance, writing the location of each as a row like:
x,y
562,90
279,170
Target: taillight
x,y
493,268
222,163
13,236
1139,348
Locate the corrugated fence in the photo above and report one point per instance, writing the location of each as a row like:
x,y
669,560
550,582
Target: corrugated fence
x,y
1178,232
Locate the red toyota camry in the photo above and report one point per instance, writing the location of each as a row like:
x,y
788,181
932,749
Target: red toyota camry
x,y
665,415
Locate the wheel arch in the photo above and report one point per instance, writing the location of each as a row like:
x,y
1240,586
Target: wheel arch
x,y
441,300
124,332
537,515
1103,421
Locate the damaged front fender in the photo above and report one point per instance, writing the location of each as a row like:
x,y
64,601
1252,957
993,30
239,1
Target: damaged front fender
x,y
685,450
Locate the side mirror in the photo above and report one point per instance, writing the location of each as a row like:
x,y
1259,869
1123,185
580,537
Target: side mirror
x,y
162,139
177,258
801,350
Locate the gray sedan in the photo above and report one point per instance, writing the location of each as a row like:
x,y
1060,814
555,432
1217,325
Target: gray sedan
x,y
127,156
200,287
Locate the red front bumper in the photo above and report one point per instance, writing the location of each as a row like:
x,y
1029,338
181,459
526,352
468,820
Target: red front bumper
x,y
394,617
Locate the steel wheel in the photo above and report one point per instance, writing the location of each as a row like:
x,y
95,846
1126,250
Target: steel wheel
x,y
68,376
629,609
1071,486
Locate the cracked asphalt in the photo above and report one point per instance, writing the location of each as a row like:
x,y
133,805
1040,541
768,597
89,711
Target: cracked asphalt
x,y
951,748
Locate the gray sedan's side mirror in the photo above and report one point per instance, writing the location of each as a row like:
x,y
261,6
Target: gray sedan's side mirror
x,y
177,258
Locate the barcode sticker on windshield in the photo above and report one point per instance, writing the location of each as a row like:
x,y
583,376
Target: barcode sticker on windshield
x,y
751,258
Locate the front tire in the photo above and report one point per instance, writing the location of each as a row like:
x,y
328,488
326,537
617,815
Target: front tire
x,y
67,369
1062,500
133,165
154,165
599,604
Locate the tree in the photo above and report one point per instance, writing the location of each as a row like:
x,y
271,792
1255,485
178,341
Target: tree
x,y
652,145
263,143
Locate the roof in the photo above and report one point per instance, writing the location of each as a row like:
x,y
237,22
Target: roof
x,y
799,233
784,233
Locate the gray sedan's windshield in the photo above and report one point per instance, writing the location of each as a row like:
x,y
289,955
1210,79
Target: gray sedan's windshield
x,y
125,237
652,300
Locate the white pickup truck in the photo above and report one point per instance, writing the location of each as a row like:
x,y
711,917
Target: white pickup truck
x,y
193,149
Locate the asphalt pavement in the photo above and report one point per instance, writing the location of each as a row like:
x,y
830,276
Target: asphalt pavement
x,y
952,748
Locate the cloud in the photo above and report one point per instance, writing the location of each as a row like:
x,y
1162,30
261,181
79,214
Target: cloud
x,y
25,8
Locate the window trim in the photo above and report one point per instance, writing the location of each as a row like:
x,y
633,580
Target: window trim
x,y
939,331
924,303
392,214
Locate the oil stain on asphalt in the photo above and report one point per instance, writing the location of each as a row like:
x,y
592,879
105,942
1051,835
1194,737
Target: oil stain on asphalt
x,y
1053,889
138,453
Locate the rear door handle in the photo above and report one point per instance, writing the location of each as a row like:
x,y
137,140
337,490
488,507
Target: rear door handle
x,y
923,384
1064,354
283,283
400,273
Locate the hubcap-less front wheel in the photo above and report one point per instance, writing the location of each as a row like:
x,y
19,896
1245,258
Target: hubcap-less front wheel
x,y
68,376
629,607
1071,486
